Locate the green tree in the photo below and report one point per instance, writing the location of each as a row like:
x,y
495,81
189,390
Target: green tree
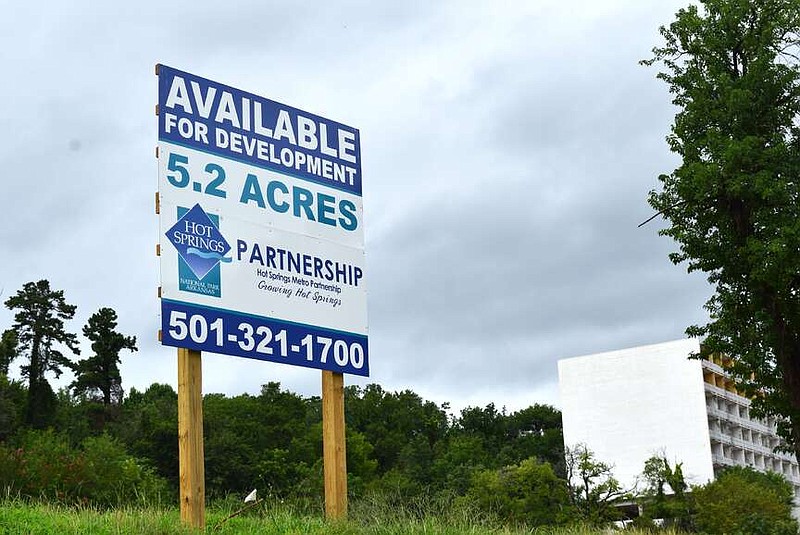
x,y
258,441
742,500
12,406
149,428
527,493
485,438
593,489
458,458
733,205
536,432
39,324
8,349
487,423
98,376
401,426
665,496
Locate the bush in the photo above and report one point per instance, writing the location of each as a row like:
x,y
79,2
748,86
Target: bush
x,y
744,501
528,493
100,473
113,477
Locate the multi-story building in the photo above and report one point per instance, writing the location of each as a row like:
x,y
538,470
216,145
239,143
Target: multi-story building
x,y
629,405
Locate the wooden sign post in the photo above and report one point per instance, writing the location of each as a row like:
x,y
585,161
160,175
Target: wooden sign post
x,y
190,438
333,445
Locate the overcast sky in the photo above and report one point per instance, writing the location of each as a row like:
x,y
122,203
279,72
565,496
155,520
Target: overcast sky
x,y
507,152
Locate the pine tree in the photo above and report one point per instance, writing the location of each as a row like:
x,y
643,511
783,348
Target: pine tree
x,y
98,376
39,325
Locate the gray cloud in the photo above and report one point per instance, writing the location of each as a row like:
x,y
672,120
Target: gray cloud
x,y
507,157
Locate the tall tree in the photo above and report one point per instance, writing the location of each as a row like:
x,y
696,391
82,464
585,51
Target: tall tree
x,y
98,376
39,324
733,205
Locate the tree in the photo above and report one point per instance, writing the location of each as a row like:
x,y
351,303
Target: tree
x,y
256,441
733,205
12,406
149,428
395,423
742,500
497,438
39,324
593,489
674,508
8,350
529,492
458,458
536,432
98,375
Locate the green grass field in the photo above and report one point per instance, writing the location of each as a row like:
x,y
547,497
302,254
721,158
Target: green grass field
x,y
18,517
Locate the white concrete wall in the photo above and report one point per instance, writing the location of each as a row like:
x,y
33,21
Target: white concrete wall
x,y
628,405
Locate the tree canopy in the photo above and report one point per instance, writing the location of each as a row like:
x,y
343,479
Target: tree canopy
x,y
733,205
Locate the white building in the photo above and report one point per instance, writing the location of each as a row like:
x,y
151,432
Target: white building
x,y
629,405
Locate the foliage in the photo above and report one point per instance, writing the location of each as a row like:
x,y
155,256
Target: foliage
x,y
390,421
593,489
98,376
273,442
73,417
527,493
43,465
39,326
665,496
733,204
458,458
256,441
536,432
742,500
105,449
511,438
13,398
8,349
148,426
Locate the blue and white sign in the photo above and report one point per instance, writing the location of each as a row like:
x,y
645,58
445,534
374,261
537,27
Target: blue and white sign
x,y
262,239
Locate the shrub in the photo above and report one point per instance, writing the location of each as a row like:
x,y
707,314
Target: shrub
x,y
44,465
528,493
744,501
113,477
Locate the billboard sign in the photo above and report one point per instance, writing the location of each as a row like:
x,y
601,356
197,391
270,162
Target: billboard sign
x,y
261,228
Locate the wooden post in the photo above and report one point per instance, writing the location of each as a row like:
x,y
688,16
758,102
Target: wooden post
x,y
333,445
190,438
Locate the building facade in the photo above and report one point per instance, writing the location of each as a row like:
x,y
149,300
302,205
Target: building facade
x,y
629,405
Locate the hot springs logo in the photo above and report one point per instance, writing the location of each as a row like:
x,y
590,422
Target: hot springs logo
x,y
201,248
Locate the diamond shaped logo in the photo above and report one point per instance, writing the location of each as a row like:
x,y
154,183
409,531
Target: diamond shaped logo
x,y
198,241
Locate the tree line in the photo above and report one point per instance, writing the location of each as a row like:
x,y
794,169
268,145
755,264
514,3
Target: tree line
x,y
397,442
91,443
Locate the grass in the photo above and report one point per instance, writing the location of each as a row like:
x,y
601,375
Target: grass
x,y
21,517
